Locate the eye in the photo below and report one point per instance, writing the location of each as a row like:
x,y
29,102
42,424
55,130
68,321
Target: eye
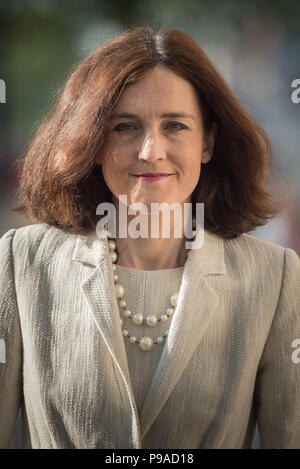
x,y
123,126
179,126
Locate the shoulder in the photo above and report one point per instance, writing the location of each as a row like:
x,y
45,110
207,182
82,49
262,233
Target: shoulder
x,y
265,270
261,259
256,255
34,240
249,245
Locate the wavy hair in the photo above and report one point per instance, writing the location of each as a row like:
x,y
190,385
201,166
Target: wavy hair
x,y
60,183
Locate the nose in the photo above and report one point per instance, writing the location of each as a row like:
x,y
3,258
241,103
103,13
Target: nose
x,y
152,148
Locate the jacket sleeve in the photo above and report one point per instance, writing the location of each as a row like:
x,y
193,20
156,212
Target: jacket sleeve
x,y
10,345
277,387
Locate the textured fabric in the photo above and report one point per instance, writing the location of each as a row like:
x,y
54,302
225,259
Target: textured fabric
x,y
227,362
146,292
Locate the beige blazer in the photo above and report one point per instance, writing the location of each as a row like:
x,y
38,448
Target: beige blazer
x,y
227,364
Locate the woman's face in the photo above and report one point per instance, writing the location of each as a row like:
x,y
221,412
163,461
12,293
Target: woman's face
x,y
149,141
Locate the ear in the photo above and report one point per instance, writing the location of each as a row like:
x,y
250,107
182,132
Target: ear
x,y
208,144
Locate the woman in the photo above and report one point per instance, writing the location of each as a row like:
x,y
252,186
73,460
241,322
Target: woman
x,y
141,342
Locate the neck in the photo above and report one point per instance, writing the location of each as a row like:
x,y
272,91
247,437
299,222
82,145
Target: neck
x,y
152,253
155,254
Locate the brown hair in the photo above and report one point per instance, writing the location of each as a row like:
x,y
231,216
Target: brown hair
x,y
60,182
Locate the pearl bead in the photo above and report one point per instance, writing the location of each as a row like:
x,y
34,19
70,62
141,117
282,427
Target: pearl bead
x,y
132,339
116,278
174,299
159,340
127,313
125,332
119,290
169,311
164,317
122,303
151,320
113,256
146,343
112,244
166,333
114,267
137,319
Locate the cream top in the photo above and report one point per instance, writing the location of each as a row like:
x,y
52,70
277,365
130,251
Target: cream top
x,y
146,292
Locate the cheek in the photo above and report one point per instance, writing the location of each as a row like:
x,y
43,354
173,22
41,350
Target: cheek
x,y
118,155
115,168
190,163
112,160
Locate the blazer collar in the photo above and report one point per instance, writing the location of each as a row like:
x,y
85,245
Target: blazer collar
x,y
92,249
196,306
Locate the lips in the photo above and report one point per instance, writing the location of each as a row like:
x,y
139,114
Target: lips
x,y
150,177
152,174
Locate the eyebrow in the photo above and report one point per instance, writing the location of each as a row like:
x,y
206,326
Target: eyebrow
x,y
167,114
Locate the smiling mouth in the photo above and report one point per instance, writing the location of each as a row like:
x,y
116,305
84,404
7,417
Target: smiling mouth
x,y
152,177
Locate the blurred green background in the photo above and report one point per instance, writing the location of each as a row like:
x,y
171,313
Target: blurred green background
x,y
255,45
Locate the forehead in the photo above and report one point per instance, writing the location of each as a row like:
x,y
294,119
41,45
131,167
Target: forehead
x,y
160,91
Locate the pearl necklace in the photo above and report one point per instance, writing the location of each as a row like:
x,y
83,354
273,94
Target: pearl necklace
x,y
145,343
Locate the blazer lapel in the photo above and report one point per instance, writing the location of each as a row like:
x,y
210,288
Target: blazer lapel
x,y
99,293
196,305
